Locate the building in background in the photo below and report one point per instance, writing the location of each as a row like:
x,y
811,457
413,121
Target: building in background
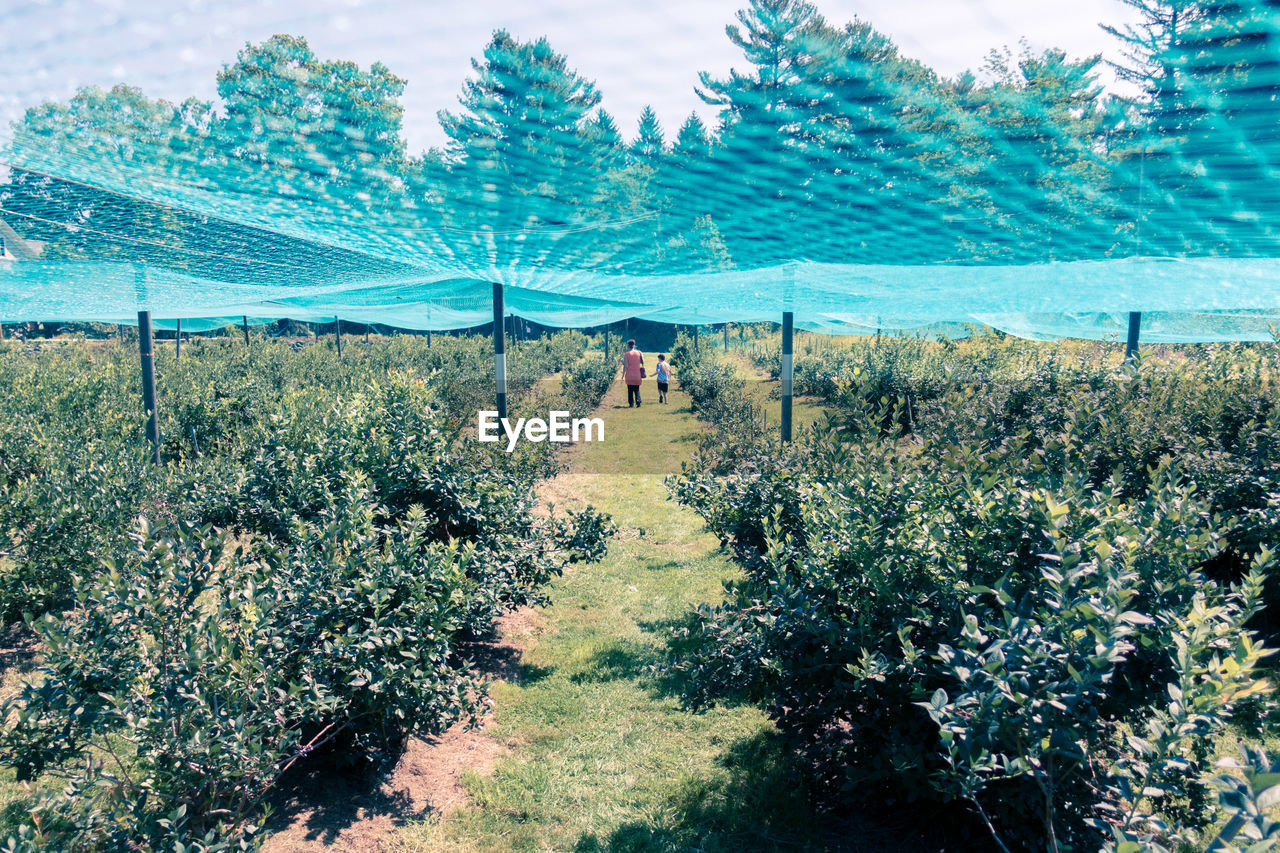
x,y
14,248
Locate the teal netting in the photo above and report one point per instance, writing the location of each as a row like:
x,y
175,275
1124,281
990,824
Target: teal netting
x,y
843,181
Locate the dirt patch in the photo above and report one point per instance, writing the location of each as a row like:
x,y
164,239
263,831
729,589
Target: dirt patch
x,y
331,810
431,771
562,492
328,810
519,629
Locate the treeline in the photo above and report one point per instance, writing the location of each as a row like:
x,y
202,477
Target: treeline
x,y
829,145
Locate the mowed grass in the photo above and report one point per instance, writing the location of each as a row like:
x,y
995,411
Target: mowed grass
x,y
602,756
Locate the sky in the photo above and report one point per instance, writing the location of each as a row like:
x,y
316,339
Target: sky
x,y
637,51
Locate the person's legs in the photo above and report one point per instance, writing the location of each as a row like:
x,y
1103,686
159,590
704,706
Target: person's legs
x,y
633,396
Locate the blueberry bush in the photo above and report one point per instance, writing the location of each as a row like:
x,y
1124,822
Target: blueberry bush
x,y
308,571
1036,592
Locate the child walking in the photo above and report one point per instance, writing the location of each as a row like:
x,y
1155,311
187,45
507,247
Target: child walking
x,y
664,377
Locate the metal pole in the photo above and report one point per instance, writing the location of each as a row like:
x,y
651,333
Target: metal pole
x,y
149,383
244,319
337,331
788,364
1131,345
428,339
695,337
726,337
177,343
499,350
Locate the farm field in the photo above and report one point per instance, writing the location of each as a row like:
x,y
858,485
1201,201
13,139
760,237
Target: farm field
x,y
960,531
694,638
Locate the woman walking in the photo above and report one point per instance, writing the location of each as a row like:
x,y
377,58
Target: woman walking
x,y
632,373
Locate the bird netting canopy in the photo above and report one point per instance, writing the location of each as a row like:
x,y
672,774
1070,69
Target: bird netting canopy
x,y
840,180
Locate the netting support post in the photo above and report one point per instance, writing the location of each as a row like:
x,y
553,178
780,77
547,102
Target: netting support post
x,y
695,336
726,337
145,350
1131,345
244,320
787,374
499,349
337,332
177,342
428,339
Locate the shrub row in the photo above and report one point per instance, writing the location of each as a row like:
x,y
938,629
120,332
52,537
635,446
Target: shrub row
x,y
309,579
1030,597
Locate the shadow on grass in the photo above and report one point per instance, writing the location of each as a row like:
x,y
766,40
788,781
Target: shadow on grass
x,y
761,804
647,663
690,437
679,641
622,660
764,803
503,662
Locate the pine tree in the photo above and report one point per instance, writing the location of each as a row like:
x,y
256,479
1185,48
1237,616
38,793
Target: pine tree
x,y
604,140
762,174
649,146
686,180
692,142
776,37
867,189
1034,134
1231,79
1205,170
517,145
1149,47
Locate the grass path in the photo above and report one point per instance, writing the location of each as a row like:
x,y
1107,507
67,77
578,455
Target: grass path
x,y
599,755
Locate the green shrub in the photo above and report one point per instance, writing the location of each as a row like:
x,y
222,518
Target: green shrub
x,y
1009,598
191,678
376,543
584,385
